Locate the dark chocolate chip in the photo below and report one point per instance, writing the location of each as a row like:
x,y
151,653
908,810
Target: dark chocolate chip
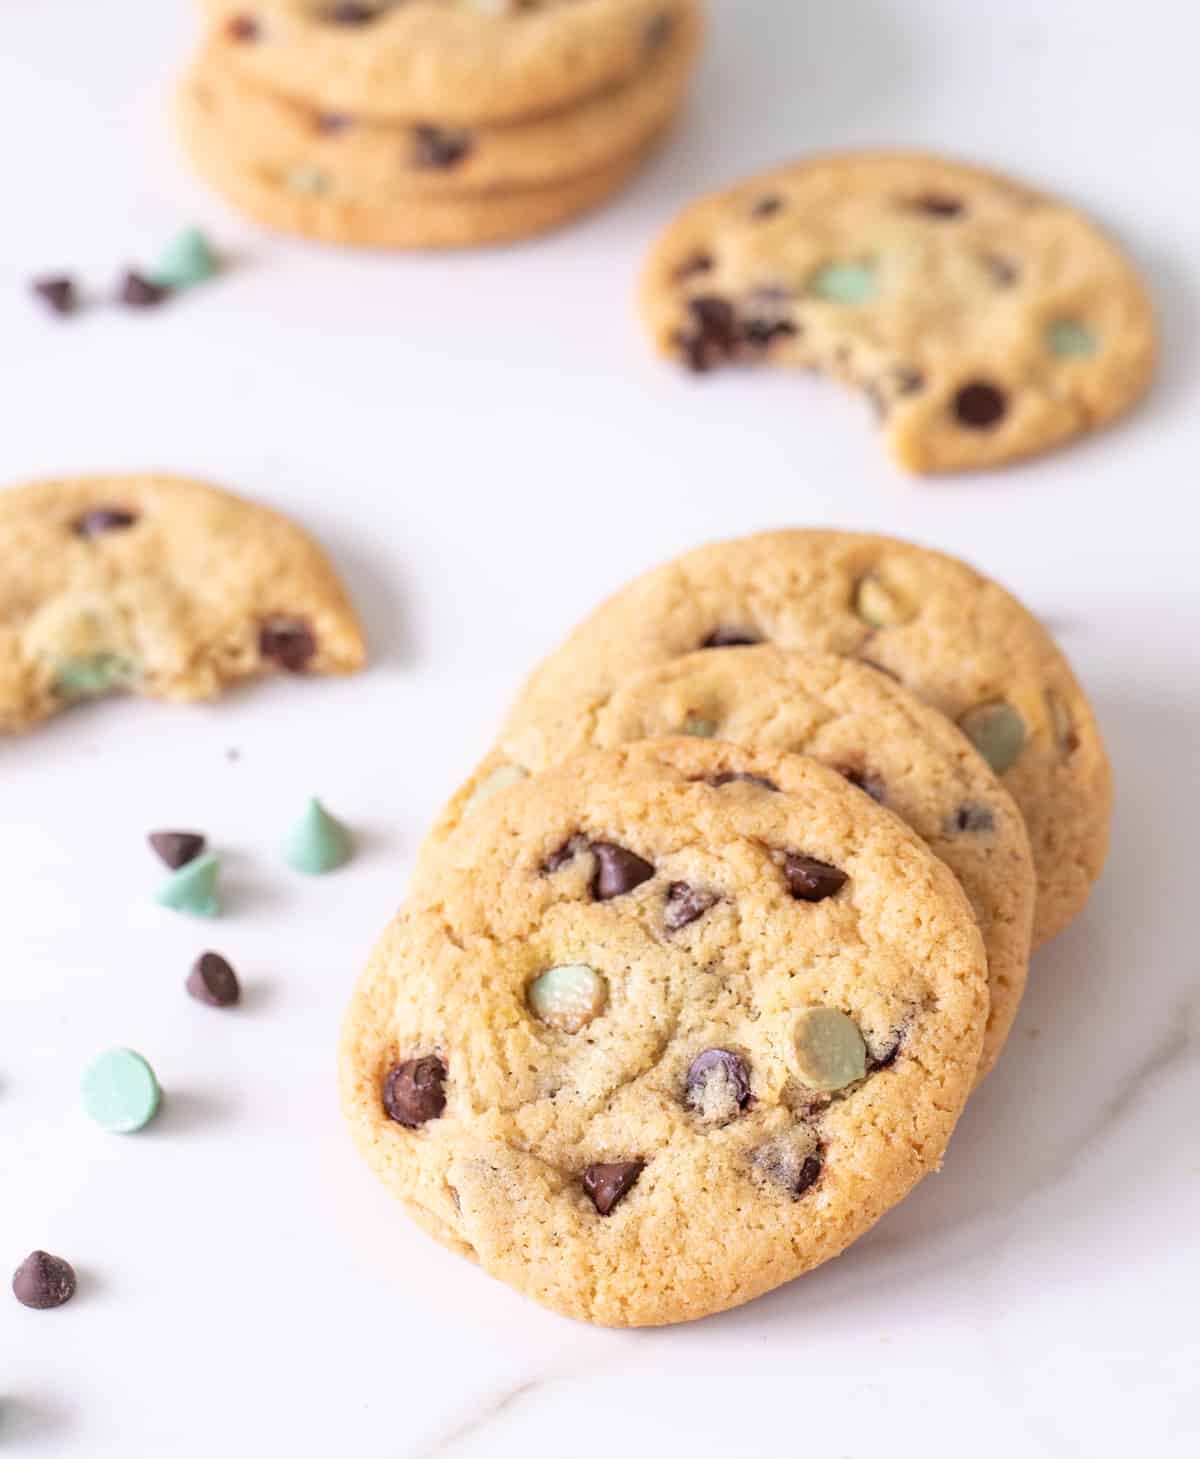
x,y
331,123
176,848
938,205
413,1093
58,292
437,149
695,263
1003,271
139,292
980,405
685,904
810,880
889,1055
213,981
760,334
732,777
724,1066
609,1184
712,338
659,30
568,851
767,206
731,638
287,641
98,520
780,1164
349,13
974,818
43,1281
871,784
242,28
808,1175
617,871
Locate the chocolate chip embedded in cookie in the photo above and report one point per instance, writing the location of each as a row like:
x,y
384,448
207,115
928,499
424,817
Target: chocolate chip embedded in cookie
x,y
619,1082
984,321
157,586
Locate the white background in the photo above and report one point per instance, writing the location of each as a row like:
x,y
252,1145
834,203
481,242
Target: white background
x,y
486,446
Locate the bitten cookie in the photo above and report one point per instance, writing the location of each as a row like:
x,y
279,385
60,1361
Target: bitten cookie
x,y
897,750
679,1022
948,634
985,321
456,62
393,162
158,586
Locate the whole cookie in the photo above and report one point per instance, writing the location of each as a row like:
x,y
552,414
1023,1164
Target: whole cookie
x,y
849,716
678,1022
158,586
453,62
393,162
985,321
948,634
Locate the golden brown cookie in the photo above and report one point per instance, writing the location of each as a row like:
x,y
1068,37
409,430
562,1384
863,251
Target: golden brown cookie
x,y
984,320
678,1022
899,751
158,586
948,634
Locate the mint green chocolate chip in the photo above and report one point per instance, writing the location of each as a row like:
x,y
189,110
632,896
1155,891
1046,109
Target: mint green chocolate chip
x,y
1069,339
702,728
845,283
568,997
830,1051
193,888
316,843
188,259
91,675
499,779
120,1091
997,731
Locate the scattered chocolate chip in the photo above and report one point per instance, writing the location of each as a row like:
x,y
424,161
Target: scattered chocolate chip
x,y
938,205
732,777
695,263
43,1281
609,1184
213,981
889,1055
568,851
712,338
974,818
413,1093
717,1077
808,1175
1003,271
760,334
731,638
617,871
871,784
685,904
287,641
784,1164
176,848
810,880
438,149
139,292
767,206
659,30
980,405
58,292
351,14
242,28
98,520
331,123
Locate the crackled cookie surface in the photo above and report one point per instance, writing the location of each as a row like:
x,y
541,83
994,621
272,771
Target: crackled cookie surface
x,y
159,586
677,1022
456,62
985,321
949,635
905,755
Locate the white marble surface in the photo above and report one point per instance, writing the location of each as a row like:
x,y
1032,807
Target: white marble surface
x,y
487,447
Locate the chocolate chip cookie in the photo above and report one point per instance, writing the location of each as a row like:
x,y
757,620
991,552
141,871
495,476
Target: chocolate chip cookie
x,y
984,320
948,634
158,586
899,751
678,1022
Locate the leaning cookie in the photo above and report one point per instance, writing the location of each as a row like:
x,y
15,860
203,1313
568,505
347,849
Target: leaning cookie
x,y
157,586
660,995
456,62
948,634
985,321
899,751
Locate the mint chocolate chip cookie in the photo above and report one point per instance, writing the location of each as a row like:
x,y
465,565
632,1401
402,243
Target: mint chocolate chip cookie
x,y
949,635
984,320
158,586
676,1023
884,741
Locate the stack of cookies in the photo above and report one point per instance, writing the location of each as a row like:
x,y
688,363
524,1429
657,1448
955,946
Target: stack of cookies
x,y
432,123
700,967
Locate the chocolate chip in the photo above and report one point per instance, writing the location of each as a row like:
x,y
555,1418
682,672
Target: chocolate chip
x,y
58,292
413,1093
974,818
686,903
98,520
176,848
437,149
712,338
810,880
731,638
732,777
568,851
43,1281
617,871
760,334
139,292
980,405
609,1184
808,1175
213,981
767,206
717,1077
871,784
938,205
889,1055
331,123
351,14
242,28
785,1165
1003,271
287,641
695,263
